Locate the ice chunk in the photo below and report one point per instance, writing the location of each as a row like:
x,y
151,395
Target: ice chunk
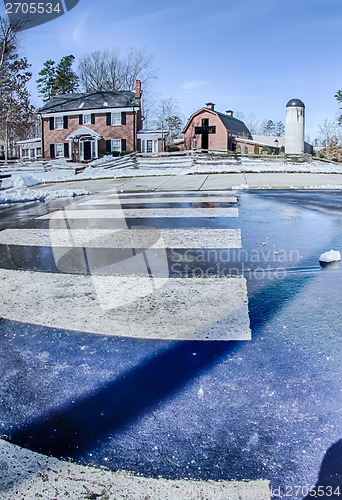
x,y
331,256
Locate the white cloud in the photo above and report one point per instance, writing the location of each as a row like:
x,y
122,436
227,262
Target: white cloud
x,y
194,85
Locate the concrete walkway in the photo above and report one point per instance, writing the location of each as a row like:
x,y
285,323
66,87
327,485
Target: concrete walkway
x,y
200,182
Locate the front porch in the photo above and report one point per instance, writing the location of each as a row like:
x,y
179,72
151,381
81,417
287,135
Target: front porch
x,y
84,144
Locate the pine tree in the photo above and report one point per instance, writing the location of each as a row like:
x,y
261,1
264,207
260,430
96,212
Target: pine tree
x,y
66,81
279,129
269,127
338,97
46,82
57,79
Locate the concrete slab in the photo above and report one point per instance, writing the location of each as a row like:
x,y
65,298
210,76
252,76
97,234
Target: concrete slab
x,y
183,182
286,181
135,238
146,213
95,186
211,308
175,194
223,181
169,199
333,179
141,184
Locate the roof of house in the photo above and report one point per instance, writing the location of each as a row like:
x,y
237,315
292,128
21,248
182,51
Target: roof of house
x,y
156,132
30,141
233,124
230,123
89,101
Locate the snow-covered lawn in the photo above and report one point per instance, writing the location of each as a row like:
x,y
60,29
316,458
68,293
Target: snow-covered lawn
x,y
25,175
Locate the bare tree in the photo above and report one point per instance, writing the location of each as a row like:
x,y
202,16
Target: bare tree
x,y
8,46
327,131
16,111
166,117
240,115
252,123
110,70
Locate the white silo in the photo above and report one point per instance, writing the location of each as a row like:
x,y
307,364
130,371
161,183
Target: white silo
x,y
294,132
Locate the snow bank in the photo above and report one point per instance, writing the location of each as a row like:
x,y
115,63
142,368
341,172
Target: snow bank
x,y
103,160
6,183
23,195
22,181
331,256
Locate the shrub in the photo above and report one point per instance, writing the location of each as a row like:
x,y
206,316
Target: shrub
x,y
256,149
172,149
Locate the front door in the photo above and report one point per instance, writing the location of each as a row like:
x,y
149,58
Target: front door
x,y
205,141
205,133
87,150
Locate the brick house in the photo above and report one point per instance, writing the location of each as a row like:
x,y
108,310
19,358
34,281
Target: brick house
x,y
81,126
210,130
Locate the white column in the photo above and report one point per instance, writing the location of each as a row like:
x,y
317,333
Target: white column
x,y
96,148
70,149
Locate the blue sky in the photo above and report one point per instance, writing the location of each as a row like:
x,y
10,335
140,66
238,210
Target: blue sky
x,y
249,56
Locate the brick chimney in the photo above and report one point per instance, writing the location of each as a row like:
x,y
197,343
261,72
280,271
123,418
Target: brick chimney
x,y
210,105
138,88
230,112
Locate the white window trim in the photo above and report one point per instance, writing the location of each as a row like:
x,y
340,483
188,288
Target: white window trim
x,y
59,144
111,119
154,142
112,147
149,142
84,119
59,128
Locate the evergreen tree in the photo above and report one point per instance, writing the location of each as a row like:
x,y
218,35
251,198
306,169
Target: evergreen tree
x,y
269,128
338,97
46,82
279,129
57,79
174,125
66,81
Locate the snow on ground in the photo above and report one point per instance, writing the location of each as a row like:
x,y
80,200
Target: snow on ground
x,y
137,166
21,195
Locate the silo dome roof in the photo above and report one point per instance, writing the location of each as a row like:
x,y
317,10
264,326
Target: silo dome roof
x,y
295,103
